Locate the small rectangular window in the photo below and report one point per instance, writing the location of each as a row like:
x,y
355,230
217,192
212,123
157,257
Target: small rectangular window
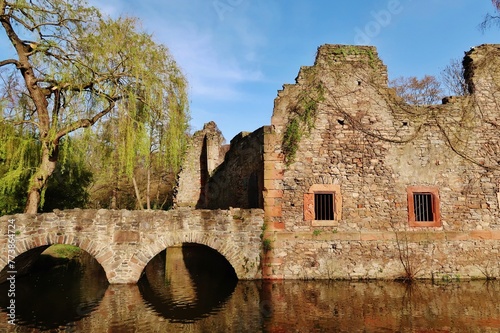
x,y
423,206
324,207
423,209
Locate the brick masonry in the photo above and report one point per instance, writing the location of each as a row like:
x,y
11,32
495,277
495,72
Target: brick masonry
x,y
123,242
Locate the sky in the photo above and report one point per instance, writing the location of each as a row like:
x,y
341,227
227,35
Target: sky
x,y
237,54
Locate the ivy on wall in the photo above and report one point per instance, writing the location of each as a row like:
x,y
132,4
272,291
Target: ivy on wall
x,y
302,120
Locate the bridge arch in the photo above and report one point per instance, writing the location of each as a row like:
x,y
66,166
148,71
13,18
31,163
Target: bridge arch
x,y
123,242
98,251
227,248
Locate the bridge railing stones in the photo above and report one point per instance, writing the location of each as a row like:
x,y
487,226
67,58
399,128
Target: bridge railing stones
x,y
123,241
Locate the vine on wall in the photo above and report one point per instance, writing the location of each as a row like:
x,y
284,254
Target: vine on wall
x,y
302,120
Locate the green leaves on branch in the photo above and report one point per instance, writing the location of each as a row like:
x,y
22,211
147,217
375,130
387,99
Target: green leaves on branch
x,y
302,119
75,69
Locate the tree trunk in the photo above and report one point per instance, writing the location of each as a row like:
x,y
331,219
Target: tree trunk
x,y
38,182
148,189
114,198
137,194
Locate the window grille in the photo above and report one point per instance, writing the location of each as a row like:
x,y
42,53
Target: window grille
x,y
324,207
423,207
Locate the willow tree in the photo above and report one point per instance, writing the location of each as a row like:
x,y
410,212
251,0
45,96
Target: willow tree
x,y
76,67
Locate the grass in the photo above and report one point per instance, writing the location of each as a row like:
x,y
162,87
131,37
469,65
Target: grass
x,y
63,251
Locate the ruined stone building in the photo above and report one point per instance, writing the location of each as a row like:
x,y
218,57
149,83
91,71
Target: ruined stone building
x,y
355,183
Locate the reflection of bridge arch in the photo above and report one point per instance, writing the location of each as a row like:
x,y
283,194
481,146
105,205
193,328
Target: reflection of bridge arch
x,y
96,250
123,242
227,248
188,282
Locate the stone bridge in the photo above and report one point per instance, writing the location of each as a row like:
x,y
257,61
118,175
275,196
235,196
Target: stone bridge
x,y
123,241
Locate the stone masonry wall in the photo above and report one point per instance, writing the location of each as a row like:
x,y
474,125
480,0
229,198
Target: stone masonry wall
x,y
205,152
357,136
124,241
238,181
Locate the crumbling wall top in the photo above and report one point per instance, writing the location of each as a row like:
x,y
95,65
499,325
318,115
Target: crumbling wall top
x,y
481,63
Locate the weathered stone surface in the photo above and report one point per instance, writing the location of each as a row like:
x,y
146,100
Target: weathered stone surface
x,y
352,131
205,152
132,238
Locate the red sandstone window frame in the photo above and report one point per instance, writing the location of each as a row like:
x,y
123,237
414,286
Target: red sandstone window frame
x,y
309,205
434,192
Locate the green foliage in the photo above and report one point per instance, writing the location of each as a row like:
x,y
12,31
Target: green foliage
x,y
267,245
63,251
18,156
351,50
291,139
66,189
302,120
88,69
317,232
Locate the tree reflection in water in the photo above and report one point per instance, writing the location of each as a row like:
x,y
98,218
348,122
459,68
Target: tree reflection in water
x,y
56,292
193,282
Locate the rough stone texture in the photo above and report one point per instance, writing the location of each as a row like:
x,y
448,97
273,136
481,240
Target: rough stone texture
x,y
123,242
359,137
205,152
374,146
239,180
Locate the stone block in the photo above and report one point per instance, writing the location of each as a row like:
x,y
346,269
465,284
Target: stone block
x,y
481,234
126,237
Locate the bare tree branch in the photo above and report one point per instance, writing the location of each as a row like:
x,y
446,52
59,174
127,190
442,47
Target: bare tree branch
x,y
9,62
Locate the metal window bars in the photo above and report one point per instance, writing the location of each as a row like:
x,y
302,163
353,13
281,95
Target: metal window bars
x,y
324,209
423,207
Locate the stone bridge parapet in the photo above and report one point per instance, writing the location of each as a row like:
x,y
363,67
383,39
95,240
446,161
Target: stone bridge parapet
x,y
123,241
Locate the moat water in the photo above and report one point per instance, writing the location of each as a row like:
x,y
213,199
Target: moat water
x,y
190,291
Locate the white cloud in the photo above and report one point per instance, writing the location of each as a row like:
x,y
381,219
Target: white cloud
x,y
215,65
216,55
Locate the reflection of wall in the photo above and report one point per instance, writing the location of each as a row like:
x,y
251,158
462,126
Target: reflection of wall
x,y
123,310
380,306
176,275
312,306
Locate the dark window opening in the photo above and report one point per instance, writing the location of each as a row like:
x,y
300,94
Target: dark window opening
x,y
324,206
423,207
253,191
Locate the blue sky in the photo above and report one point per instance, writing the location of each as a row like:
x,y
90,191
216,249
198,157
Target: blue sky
x,y
237,54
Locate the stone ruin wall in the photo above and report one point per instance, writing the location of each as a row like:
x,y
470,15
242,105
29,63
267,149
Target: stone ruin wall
x,y
373,146
233,176
238,181
205,152
363,140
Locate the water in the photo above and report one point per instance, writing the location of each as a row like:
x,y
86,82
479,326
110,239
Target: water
x,y
192,291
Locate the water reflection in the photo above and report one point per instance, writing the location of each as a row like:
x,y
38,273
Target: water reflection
x,y
185,299
65,293
323,306
185,284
